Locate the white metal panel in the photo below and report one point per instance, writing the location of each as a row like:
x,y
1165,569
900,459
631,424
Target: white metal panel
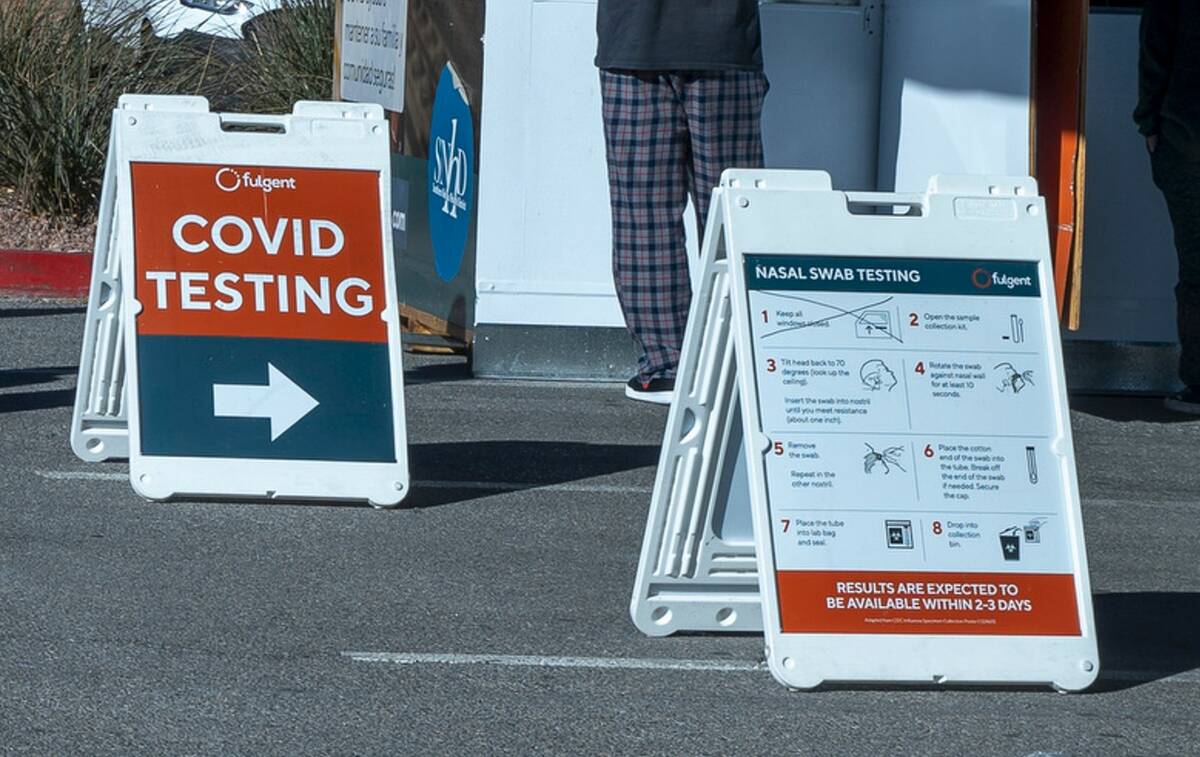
x,y
502,168
544,249
823,62
1129,261
967,225
956,89
955,99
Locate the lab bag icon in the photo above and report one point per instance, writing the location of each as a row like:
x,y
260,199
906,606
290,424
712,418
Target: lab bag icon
x,y
899,534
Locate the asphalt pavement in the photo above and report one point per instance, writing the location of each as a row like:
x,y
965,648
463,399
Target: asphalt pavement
x,y
489,614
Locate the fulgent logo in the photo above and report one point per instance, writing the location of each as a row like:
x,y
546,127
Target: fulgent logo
x,y
231,180
450,174
985,279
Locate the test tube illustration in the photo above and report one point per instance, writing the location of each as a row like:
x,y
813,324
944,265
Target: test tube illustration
x,y
1031,463
1017,327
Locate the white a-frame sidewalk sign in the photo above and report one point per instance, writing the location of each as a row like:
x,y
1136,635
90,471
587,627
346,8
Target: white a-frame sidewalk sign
x,y
910,463
242,335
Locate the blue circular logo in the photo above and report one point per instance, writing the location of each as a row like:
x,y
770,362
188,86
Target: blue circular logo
x,y
451,161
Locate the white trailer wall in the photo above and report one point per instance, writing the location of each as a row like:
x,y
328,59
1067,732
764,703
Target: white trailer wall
x,y
543,211
956,90
1128,335
871,92
824,63
1129,257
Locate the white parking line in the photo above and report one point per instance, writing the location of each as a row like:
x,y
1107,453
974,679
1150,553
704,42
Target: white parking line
x,y
56,475
507,486
491,486
637,663
540,661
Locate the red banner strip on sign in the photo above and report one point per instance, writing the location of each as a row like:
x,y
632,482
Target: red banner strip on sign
x,y
958,604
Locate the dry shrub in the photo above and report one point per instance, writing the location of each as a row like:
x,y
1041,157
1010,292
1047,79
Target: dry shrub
x,y
60,80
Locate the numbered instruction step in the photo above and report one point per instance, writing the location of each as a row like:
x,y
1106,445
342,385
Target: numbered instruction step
x,y
869,471
833,390
901,540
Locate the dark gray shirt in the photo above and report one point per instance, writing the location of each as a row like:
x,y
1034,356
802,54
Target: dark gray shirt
x,y
679,35
1169,81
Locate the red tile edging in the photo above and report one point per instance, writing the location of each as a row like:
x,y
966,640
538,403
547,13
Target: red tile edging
x,y
45,274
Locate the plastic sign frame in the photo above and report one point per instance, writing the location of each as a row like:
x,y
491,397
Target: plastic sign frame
x,y
791,218
159,137
99,427
697,565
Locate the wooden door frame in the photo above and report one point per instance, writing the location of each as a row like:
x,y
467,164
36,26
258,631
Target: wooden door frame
x,y
1058,138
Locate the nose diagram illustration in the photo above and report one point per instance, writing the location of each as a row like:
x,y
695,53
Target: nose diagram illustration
x,y
876,376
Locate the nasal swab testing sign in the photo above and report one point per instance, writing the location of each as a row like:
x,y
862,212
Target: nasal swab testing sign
x,y
908,443
260,319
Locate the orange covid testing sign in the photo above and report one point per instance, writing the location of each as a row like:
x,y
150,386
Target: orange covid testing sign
x,y
234,250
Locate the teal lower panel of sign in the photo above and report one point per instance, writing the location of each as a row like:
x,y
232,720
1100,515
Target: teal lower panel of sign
x,y
275,399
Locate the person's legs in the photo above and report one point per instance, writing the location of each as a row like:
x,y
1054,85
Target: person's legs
x,y
724,111
645,136
1179,179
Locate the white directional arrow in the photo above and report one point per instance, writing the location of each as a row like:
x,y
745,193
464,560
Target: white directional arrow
x,y
281,400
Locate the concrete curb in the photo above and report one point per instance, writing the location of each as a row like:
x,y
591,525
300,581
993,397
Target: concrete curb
x,y
45,274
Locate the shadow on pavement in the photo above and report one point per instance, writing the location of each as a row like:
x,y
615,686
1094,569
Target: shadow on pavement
x,y
513,466
34,312
431,373
463,471
43,400
31,376
1151,632
1129,408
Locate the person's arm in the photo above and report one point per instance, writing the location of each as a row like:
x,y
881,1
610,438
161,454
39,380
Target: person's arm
x,y
1159,32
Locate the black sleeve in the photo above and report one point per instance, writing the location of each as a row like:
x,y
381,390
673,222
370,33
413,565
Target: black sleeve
x,y
1159,33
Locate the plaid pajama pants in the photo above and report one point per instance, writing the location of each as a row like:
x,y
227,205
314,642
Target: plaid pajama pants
x,y
669,135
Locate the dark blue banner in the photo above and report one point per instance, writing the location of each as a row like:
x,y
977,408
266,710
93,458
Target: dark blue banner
x,y
827,273
321,400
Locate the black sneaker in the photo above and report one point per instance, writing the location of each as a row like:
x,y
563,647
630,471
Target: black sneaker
x,y
659,390
1187,401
